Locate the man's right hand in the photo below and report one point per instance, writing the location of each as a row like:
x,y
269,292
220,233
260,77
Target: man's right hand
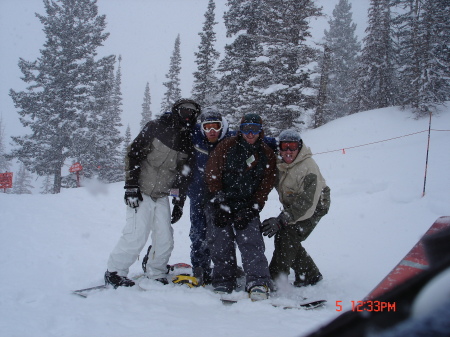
x,y
132,196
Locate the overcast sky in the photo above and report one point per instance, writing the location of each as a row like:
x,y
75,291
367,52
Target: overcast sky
x,y
143,32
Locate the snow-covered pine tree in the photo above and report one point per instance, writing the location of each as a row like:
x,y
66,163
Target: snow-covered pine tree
x,y
205,88
4,163
283,84
344,48
22,181
376,85
110,158
239,62
424,39
173,92
146,114
126,142
47,186
56,106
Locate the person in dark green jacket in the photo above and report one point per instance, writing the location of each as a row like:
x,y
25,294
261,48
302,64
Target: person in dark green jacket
x,y
305,197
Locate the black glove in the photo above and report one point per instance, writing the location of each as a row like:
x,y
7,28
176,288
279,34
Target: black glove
x,y
222,218
220,212
272,225
177,212
244,216
132,196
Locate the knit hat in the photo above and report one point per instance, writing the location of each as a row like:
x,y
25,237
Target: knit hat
x,y
251,118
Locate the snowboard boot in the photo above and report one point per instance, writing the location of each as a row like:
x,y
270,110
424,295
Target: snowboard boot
x,y
117,280
222,290
258,293
203,277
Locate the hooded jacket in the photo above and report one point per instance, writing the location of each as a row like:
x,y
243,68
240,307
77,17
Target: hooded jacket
x,y
202,149
301,187
157,154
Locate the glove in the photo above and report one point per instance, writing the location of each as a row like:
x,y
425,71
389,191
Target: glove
x,y
222,218
272,225
243,217
177,210
132,196
221,215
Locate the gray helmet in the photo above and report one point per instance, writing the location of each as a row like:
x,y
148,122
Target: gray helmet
x,y
210,115
289,135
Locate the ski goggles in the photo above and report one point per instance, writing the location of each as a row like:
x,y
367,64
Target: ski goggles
x,y
212,125
253,128
187,113
293,146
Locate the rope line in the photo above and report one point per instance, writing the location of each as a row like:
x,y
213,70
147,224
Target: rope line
x,y
379,141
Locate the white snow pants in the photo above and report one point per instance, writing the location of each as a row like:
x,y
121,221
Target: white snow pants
x,y
150,216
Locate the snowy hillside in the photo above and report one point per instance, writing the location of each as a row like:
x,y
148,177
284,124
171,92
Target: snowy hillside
x,y
52,244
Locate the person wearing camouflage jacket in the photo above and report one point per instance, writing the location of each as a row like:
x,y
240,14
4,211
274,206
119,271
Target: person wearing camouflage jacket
x,y
305,197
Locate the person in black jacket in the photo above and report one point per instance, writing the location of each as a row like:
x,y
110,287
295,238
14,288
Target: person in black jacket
x,y
239,174
154,165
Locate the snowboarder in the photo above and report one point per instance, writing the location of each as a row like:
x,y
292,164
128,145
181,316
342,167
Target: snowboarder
x,y
306,199
239,175
212,129
154,165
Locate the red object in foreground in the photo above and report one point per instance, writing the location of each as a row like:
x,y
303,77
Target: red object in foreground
x,y
412,264
6,180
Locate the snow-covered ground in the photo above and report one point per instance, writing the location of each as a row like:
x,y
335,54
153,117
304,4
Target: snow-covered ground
x,y
52,244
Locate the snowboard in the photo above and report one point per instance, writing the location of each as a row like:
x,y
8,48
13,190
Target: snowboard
x,y
303,306
88,291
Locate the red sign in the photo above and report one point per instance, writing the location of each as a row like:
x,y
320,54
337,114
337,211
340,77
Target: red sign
x,y
6,180
75,167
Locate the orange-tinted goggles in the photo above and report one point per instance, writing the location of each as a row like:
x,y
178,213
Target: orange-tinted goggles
x,y
293,146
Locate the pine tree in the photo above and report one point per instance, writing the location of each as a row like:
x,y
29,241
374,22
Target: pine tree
x,y
47,186
4,163
239,62
284,85
264,68
205,88
424,30
110,159
146,114
22,181
377,86
57,105
344,48
173,92
126,142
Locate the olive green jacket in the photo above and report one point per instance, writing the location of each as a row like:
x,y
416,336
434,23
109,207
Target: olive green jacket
x,y
301,187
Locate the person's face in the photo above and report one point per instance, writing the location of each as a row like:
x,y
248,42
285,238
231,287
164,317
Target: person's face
x,y
250,132
250,137
289,151
212,131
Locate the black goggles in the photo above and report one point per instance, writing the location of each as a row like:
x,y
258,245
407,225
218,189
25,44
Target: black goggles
x,y
293,146
212,125
253,128
187,113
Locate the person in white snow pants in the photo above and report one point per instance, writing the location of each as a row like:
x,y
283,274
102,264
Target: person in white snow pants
x,y
154,165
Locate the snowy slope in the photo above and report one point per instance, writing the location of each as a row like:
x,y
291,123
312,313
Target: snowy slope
x,y
52,244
